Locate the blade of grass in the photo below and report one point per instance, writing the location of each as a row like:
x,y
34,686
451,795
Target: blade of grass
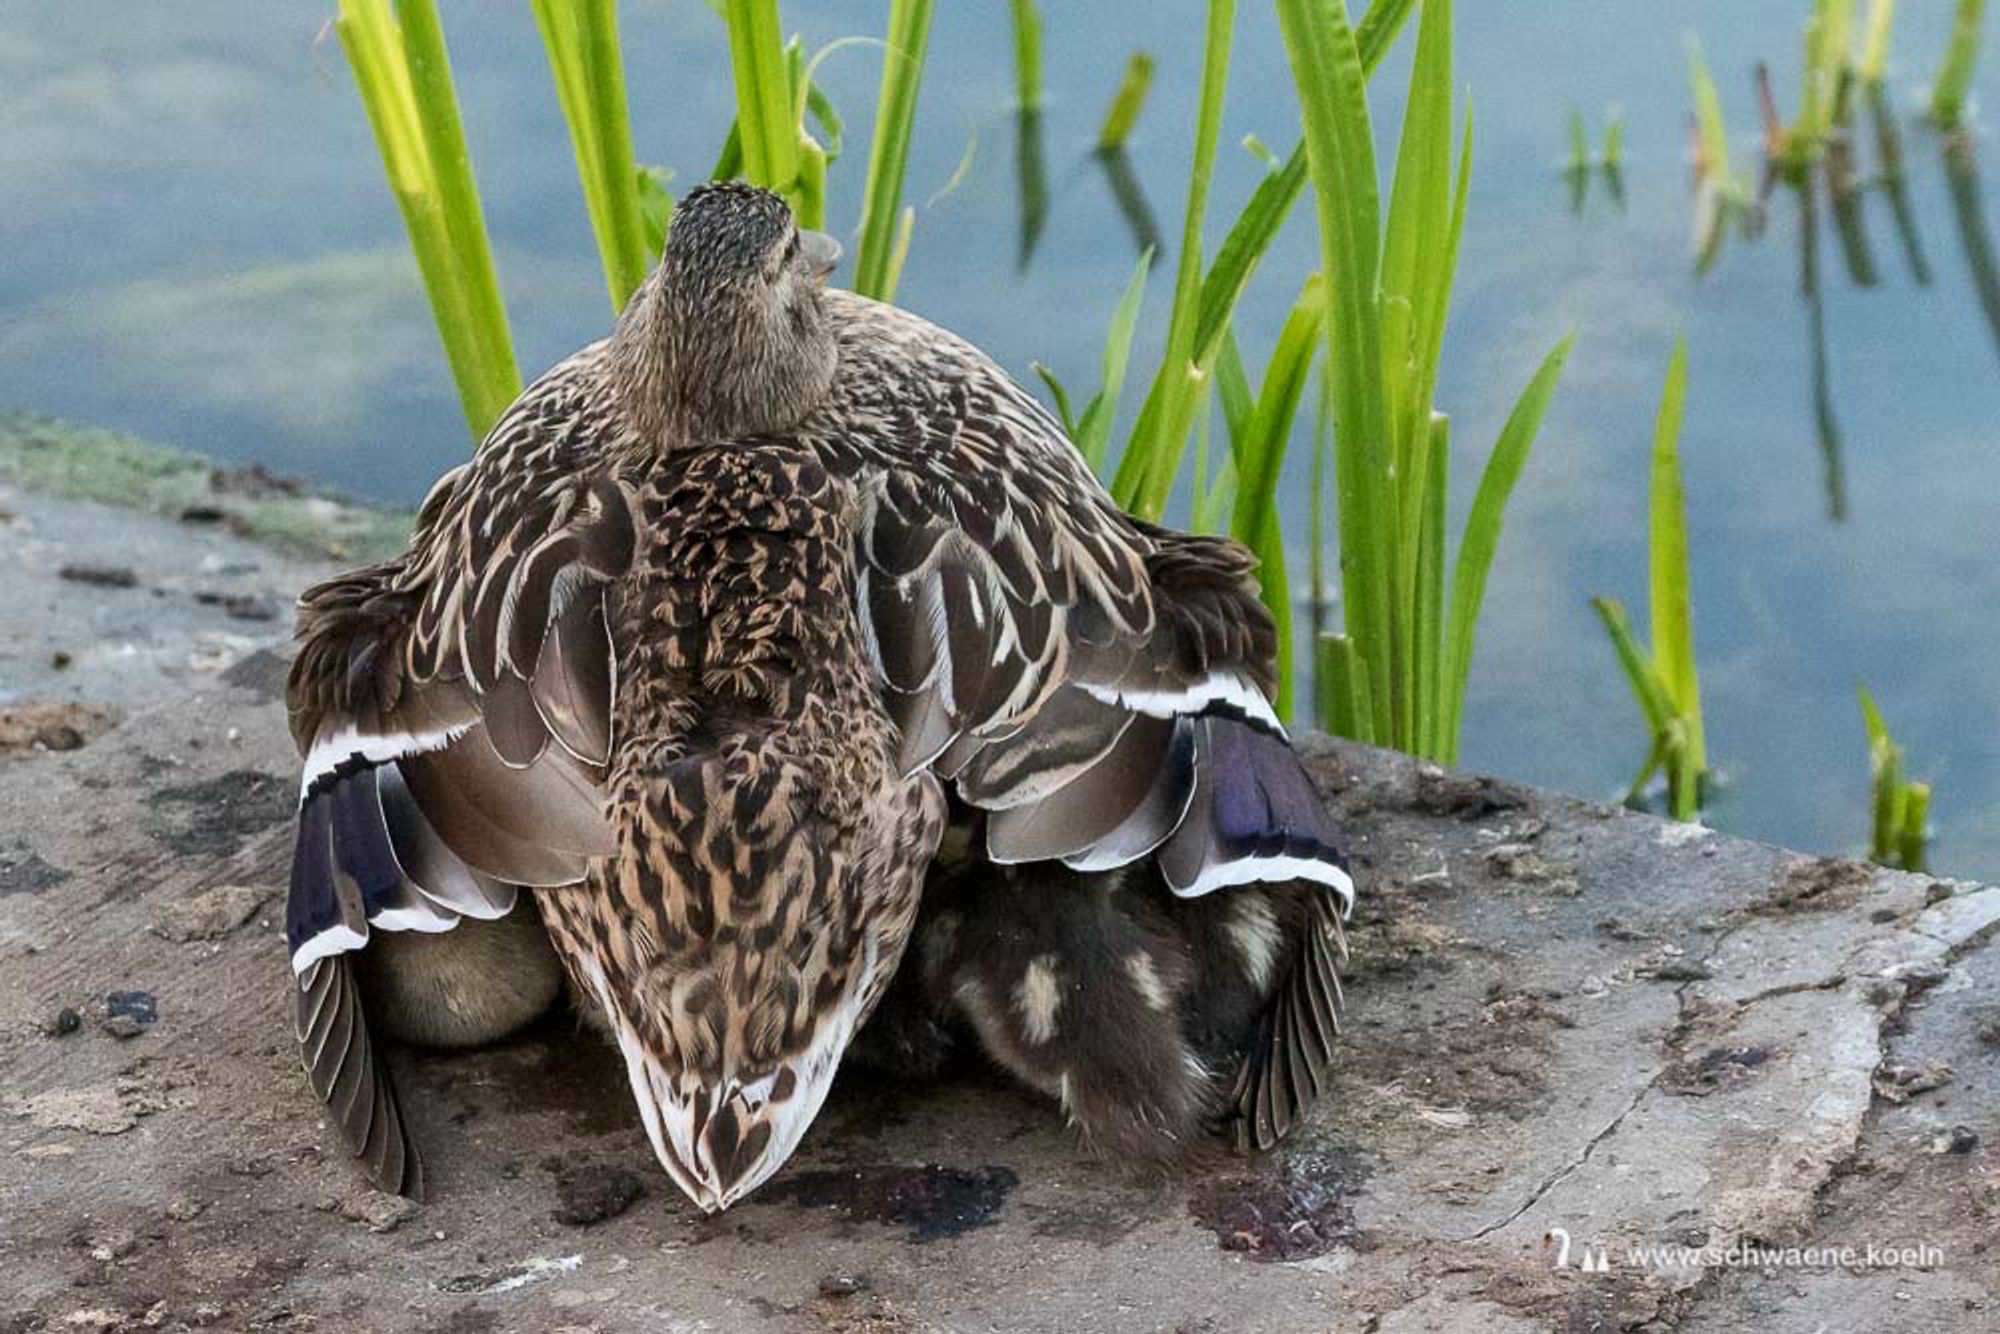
x,y
1712,132
1647,687
1027,23
1126,103
1428,633
1261,451
1481,537
581,40
1322,450
1326,69
403,75
1341,686
1418,258
759,65
1885,769
1954,79
1668,594
1875,42
1259,456
1155,461
1093,434
1245,245
1232,386
1579,142
1071,427
875,264
458,194
1913,836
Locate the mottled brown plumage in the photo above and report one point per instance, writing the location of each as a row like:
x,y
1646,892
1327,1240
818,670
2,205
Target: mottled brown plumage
x,y
692,647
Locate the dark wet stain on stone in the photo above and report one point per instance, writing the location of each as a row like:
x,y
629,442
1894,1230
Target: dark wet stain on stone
x,y
238,606
595,1193
933,1202
262,673
465,1320
1462,797
1819,884
254,481
1713,1071
225,810
100,576
1294,1215
22,872
545,1068
1102,1219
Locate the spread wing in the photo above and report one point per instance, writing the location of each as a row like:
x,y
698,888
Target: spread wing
x,y
453,708
1098,685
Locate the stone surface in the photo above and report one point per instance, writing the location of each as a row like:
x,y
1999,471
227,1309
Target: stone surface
x,y
1564,1021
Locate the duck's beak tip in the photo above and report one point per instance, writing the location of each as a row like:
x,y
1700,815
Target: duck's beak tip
x,y
821,253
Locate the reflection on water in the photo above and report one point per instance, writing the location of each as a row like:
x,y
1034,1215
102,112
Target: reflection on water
x,y
1130,197
1718,214
1961,173
1891,177
1822,389
1843,188
1032,181
198,246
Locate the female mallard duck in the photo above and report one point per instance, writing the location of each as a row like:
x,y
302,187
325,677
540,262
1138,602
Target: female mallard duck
x,y
694,647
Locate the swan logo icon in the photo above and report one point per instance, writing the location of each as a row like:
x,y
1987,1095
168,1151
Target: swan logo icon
x,y
1590,1259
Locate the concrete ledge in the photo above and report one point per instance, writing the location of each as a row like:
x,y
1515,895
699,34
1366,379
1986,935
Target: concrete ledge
x,y
1562,1017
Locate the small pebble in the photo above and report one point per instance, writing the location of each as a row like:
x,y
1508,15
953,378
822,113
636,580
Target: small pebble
x,y
67,1022
139,1006
59,736
843,1285
1683,970
100,576
379,1211
596,1193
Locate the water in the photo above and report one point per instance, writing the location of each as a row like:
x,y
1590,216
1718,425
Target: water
x,y
197,245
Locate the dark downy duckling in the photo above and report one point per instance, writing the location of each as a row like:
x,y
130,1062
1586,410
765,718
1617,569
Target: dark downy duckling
x,y
1148,1017
693,650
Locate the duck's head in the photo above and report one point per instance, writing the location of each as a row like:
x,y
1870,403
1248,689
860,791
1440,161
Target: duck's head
x,y
730,335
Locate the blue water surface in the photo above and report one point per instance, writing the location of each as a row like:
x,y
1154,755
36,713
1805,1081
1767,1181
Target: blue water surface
x,y
197,245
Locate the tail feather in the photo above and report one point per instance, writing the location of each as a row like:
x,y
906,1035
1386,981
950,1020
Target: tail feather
x,y
366,858
1291,1053
1256,817
349,1076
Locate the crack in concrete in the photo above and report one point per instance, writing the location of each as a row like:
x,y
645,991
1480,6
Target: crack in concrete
x,y
1568,1169
1673,1041
1670,1044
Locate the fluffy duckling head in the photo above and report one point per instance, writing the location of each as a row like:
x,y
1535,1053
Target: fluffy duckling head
x,y
730,336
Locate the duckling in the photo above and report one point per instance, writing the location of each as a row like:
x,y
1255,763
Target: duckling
x,y
692,651
1147,1016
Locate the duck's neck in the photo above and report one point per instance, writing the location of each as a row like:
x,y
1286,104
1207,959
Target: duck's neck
x,y
642,373
687,377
